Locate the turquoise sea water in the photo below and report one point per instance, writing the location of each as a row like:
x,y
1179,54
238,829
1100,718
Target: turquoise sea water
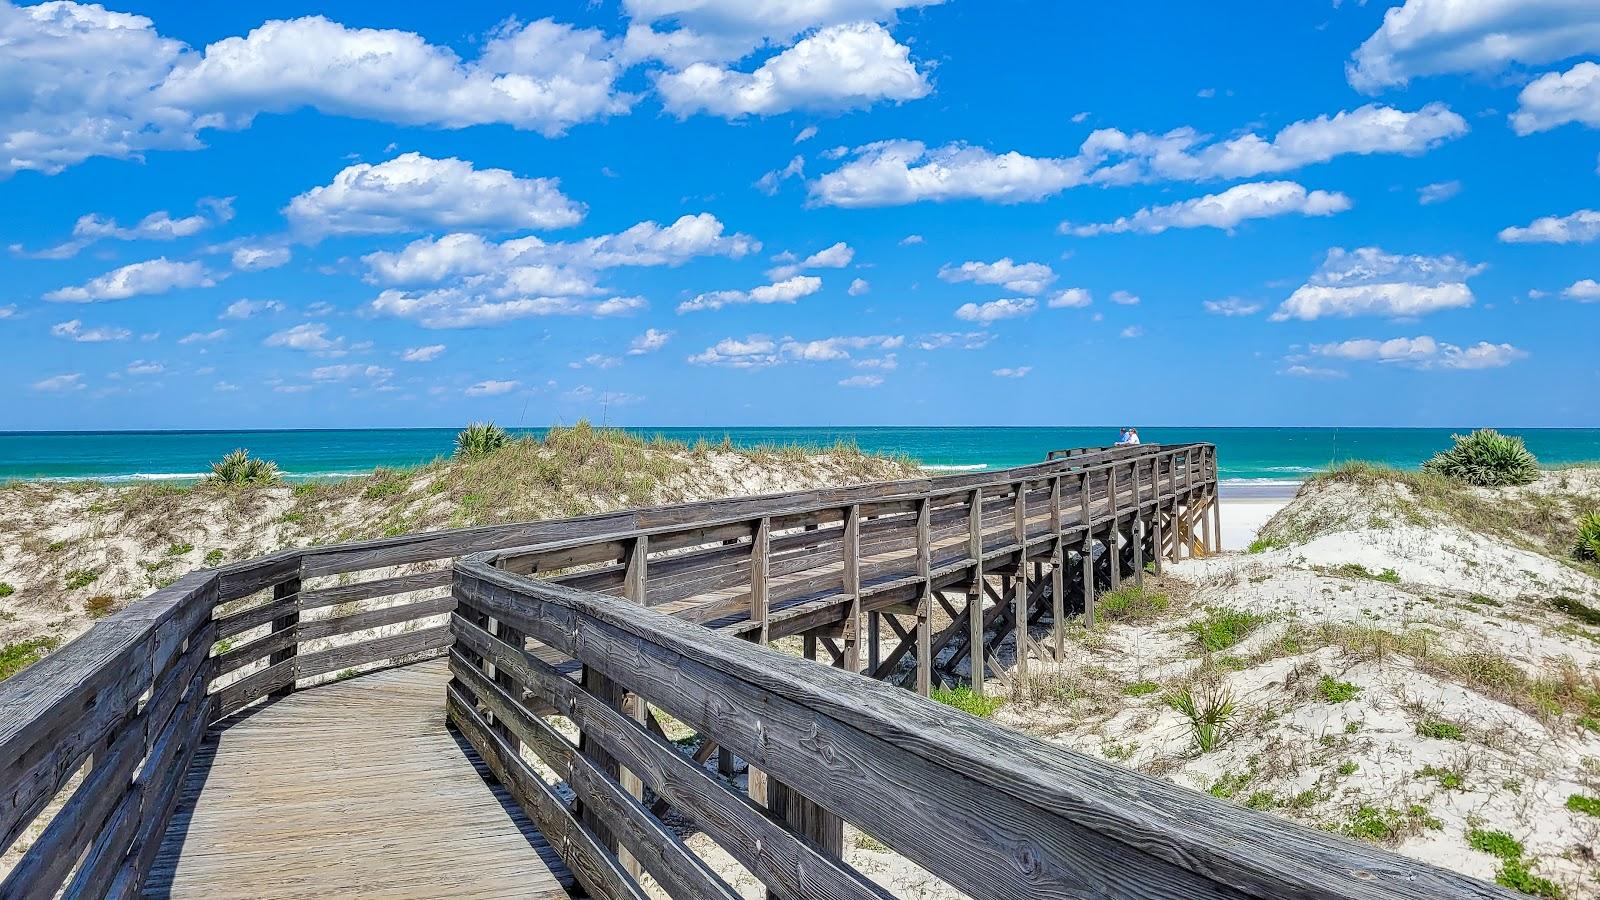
x,y
1260,455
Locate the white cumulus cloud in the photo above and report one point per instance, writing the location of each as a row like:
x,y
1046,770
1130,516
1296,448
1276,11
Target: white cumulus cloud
x,y
649,342
1254,200
1368,281
1232,307
468,308
1586,290
995,310
491,388
845,66
835,257
73,330
1431,37
155,276
1013,372
1423,352
256,259
413,192
1580,227
427,353
889,173
1024,278
1557,98
788,290
72,381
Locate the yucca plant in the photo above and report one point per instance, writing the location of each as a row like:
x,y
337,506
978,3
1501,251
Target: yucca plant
x,y
1210,710
480,439
1588,546
239,469
1485,458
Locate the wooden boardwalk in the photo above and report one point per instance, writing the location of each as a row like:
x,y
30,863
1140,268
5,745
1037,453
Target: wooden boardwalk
x,y
355,789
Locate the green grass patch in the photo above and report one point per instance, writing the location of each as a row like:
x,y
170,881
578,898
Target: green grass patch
x,y
1357,570
1439,729
1263,544
1230,784
1516,875
968,701
386,483
78,578
1131,603
16,657
1223,627
1348,767
1495,843
6,590
179,549
1210,710
1587,805
1141,688
214,558
99,606
1449,779
1385,825
1335,691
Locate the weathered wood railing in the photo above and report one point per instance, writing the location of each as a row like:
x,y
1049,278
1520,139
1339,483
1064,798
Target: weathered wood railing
x,y
95,738
992,812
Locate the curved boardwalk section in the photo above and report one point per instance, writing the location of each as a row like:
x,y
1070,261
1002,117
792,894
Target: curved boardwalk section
x,y
355,789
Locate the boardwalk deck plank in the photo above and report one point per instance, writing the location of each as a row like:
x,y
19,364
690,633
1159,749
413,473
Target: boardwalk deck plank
x,y
362,787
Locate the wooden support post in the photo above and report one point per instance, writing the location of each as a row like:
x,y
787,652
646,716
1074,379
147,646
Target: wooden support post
x,y
760,547
1137,530
852,585
1216,515
1114,532
925,600
1088,552
1019,608
976,658
1058,581
874,637
285,590
1205,522
634,587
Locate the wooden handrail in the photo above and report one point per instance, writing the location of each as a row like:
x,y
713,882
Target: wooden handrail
x,y
993,812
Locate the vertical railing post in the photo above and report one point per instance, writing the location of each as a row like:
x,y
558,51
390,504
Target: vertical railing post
x,y
634,589
286,590
1087,518
975,653
1058,581
1158,541
851,552
925,597
760,545
1216,500
1019,608
1137,529
1114,532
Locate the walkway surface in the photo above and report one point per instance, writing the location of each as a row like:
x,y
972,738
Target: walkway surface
x,y
353,789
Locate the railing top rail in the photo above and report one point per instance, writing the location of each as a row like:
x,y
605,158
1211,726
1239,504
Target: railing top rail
x,y
1237,851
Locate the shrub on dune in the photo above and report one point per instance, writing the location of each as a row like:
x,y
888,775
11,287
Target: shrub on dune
x,y
480,439
1588,546
240,469
1485,458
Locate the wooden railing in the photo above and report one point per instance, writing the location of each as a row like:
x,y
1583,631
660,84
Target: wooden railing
x,y
989,811
94,739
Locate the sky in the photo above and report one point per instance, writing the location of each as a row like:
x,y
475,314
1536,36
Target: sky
x,y
817,212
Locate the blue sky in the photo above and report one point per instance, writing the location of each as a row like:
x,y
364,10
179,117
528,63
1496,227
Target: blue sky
x,y
719,212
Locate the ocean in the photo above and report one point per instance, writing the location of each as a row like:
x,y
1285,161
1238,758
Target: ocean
x,y
1257,457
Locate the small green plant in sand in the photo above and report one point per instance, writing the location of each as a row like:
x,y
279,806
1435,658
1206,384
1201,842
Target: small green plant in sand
x,y
1485,458
1223,627
480,439
1577,609
1584,804
1263,544
968,701
16,657
386,483
99,606
240,469
214,557
1439,729
6,589
1449,779
1141,688
1357,570
180,549
1210,709
1335,691
1385,825
78,578
1515,872
1131,603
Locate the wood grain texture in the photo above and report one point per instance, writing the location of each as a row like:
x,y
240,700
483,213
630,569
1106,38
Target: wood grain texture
x,y
355,789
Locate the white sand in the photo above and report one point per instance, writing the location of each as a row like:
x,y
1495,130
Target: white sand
x,y
1242,519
